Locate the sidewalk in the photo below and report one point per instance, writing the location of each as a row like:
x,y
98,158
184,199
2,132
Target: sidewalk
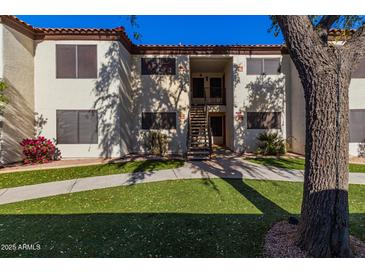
x,y
226,168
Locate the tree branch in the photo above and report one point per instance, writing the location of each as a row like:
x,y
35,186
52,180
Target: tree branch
x,y
303,42
355,46
324,26
327,21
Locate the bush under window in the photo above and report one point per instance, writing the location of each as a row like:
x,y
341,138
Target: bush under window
x,y
39,151
270,144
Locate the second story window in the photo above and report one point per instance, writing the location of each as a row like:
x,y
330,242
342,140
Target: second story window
x,y
158,66
263,66
76,61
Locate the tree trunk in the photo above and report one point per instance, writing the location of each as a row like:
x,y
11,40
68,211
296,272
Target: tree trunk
x,y
324,227
325,76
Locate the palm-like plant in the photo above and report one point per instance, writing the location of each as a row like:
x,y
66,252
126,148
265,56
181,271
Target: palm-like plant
x,y
270,144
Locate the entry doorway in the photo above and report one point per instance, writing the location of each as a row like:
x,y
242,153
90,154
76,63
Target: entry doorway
x,y
217,123
198,87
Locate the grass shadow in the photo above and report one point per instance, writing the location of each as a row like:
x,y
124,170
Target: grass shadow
x,y
139,235
135,235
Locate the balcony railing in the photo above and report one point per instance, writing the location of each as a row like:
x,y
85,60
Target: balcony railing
x,y
208,99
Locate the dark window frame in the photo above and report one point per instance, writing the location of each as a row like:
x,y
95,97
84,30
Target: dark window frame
x,y
158,64
77,72
258,124
198,92
263,70
77,126
213,128
158,125
213,89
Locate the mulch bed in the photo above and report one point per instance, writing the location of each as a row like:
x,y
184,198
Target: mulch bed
x,y
280,243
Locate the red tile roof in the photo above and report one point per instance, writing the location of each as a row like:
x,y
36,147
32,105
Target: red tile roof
x,y
120,34
60,31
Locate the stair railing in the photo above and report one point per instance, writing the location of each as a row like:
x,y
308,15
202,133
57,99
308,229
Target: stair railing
x,y
208,124
188,134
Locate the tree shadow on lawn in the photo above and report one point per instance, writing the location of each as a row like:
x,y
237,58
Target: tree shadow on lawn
x,y
291,163
144,234
140,234
135,235
150,234
147,166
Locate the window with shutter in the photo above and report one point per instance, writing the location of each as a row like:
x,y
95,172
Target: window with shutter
x,y
86,60
76,61
259,66
271,66
254,66
88,127
77,126
158,66
67,127
65,61
158,120
263,120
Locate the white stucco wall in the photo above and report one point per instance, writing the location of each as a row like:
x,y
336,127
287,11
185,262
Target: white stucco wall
x,y
254,93
357,101
18,73
297,113
161,93
109,94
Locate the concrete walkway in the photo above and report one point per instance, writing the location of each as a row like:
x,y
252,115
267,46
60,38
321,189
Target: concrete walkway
x,y
227,167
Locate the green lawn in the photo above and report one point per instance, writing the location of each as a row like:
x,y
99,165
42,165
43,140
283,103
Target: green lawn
x,y
42,176
188,218
296,163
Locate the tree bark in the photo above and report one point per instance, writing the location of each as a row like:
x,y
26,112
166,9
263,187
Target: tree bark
x,y
324,228
325,74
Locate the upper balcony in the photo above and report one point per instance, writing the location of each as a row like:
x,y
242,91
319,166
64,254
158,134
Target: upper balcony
x,y
209,79
209,96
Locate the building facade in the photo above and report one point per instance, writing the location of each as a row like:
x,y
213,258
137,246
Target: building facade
x,y
98,94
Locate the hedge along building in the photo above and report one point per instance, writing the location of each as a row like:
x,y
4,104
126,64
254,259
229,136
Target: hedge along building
x,y
99,94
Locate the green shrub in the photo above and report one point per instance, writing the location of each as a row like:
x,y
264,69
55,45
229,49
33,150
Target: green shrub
x,y
270,144
156,143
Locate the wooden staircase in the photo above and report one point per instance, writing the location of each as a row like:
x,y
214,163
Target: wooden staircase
x,y
199,137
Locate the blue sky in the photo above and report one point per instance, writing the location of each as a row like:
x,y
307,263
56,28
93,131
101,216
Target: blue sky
x,y
156,29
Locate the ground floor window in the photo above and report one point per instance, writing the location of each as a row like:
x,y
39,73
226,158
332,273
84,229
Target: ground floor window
x,y
263,120
357,125
158,120
77,126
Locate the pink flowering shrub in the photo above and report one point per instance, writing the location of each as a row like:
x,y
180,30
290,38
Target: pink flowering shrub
x,y
39,151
